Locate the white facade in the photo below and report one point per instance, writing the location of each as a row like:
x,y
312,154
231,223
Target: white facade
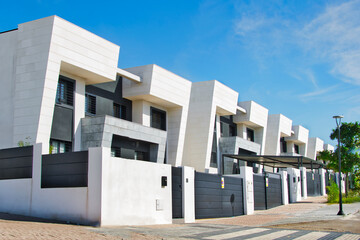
x,y
255,117
329,147
43,49
278,126
208,101
315,145
299,137
164,90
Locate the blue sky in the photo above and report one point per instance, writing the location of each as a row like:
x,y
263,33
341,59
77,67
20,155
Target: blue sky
x,y
298,58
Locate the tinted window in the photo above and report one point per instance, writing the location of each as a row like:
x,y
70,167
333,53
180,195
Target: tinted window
x,y
158,118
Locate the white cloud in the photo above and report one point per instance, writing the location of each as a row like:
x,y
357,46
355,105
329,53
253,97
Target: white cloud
x,y
333,36
330,37
317,92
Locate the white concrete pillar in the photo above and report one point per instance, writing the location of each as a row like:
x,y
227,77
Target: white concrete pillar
x,y
284,188
95,157
295,187
36,175
304,183
188,194
342,182
246,173
79,112
322,182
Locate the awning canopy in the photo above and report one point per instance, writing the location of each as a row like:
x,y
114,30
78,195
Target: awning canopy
x,y
278,161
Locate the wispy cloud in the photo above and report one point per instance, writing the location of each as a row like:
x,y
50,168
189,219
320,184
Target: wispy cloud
x,y
331,36
334,37
317,92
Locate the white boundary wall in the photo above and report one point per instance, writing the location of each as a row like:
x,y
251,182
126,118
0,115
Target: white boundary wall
x,y
119,192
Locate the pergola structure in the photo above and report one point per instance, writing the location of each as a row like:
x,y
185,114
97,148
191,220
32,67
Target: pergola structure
x,y
275,161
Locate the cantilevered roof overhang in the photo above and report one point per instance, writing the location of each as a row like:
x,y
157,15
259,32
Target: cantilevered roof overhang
x,y
277,161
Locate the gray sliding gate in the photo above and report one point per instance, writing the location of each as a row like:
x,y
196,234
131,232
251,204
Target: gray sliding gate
x,y
176,175
267,191
218,196
313,184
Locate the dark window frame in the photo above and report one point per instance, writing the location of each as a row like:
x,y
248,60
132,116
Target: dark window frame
x,y
283,145
250,134
163,116
119,111
65,92
296,149
90,104
67,146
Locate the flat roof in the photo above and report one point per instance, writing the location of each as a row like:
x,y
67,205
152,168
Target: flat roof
x,y
278,161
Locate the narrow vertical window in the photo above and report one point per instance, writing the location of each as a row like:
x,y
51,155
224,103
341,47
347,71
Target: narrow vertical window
x,y
250,134
65,92
296,148
90,104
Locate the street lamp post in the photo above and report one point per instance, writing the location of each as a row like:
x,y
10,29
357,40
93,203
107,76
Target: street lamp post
x,y
338,124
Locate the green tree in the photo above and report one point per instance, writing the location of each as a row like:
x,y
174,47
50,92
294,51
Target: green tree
x,y
350,144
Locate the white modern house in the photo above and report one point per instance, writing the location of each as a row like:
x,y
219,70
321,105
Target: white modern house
x,y
297,143
208,101
249,134
278,127
315,145
103,143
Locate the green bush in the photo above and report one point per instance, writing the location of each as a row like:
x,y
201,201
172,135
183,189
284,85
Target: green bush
x,y
332,193
353,196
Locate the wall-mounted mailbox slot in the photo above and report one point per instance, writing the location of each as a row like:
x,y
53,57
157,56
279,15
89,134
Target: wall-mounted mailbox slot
x,y
163,181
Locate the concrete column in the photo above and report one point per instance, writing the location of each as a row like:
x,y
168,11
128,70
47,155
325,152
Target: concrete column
x,y
322,182
246,173
36,175
343,183
96,156
284,188
79,112
304,183
295,187
188,194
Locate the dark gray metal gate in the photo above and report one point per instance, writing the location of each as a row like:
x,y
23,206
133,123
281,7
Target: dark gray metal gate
x,y
211,200
288,186
267,191
176,192
16,163
259,192
274,193
313,184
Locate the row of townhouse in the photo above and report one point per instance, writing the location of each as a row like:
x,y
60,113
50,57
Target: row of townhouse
x,y
62,88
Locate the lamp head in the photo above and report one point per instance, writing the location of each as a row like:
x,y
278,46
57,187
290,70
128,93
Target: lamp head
x,y
338,116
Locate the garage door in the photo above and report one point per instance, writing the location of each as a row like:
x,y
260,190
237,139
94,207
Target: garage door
x,y
267,191
218,196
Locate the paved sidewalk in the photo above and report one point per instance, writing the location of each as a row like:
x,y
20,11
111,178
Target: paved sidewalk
x,y
280,222
311,209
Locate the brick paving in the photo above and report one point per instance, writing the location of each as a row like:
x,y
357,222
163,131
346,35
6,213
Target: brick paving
x,y
20,227
264,217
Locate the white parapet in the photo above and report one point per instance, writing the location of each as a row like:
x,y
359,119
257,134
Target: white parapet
x,y
284,187
246,173
322,182
303,182
295,186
